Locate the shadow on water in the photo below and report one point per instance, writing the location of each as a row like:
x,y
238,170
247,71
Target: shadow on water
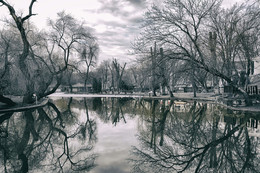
x,y
171,137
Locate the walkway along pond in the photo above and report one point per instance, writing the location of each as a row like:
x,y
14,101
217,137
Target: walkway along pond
x,y
105,134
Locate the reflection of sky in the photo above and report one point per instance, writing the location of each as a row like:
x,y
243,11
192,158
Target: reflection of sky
x,y
114,143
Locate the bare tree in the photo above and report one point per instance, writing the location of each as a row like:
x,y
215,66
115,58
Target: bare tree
x,y
237,31
19,21
118,71
181,28
89,55
44,57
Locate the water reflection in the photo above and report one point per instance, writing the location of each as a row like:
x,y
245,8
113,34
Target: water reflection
x,y
196,137
113,109
129,135
42,141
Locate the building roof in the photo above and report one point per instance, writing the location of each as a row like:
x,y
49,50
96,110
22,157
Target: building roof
x,y
81,85
254,78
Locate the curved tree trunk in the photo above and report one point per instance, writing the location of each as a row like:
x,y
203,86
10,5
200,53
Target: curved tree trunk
x,y
6,100
19,21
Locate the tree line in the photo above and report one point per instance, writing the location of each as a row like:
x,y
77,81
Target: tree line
x,y
180,42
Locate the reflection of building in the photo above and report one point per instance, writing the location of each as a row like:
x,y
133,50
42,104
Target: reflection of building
x,y
180,106
251,124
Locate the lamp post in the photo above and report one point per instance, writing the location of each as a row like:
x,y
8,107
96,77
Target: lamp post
x,y
34,95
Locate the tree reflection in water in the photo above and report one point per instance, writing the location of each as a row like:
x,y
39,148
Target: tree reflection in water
x,y
113,109
173,137
44,140
194,139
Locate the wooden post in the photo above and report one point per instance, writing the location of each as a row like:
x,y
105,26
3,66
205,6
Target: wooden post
x,y
212,45
165,83
153,57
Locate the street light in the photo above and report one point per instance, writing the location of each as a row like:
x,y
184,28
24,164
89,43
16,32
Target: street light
x,y
34,95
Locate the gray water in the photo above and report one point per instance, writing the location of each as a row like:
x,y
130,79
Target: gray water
x,y
119,135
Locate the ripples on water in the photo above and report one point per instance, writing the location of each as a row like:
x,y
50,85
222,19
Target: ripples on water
x,y
129,135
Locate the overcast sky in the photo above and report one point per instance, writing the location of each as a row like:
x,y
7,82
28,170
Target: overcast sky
x,y
115,22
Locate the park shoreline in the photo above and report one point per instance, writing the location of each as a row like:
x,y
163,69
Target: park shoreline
x,y
201,97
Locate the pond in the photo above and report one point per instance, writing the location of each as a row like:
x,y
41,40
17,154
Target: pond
x,y
120,135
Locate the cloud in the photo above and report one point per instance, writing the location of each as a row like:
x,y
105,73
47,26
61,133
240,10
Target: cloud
x,y
136,19
138,3
112,6
123,8
117,25
115,40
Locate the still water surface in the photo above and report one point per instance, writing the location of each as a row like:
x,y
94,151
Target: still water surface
x,y
120,135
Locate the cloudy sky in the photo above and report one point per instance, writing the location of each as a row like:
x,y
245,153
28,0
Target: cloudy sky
x,y
115,22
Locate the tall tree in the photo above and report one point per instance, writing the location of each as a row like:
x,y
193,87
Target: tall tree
x,y
119,71
89,54
43,57
237,32
19,21
182,28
